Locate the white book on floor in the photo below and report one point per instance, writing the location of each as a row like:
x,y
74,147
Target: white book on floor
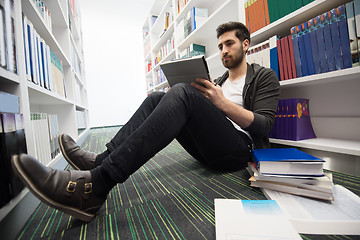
x,y
310,216
250,220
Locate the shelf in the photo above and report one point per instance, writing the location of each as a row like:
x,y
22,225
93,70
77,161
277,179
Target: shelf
x,y
164,38
41,96
334,76
9,76
32,14
58,17
168,57
324,144
282,26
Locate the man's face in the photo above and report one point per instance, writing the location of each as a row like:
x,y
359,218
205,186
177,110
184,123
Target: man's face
x,y
231,50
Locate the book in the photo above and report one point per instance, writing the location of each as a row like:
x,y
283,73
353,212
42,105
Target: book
x,y
251,219
344,37
185,70
274,63
308,52
335,37
287,161
319,29
329,50
321,184
295,42
2,39
10,44
9,103
311,216
292,57
314,46
5,186
302,50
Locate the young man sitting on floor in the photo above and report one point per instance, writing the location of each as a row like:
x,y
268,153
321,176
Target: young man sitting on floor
x,y
217,123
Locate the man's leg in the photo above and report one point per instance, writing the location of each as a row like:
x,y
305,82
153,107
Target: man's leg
x,y
81,159
182,111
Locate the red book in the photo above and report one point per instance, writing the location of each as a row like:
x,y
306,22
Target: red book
x,y
292,58
281,65
284,60
287,55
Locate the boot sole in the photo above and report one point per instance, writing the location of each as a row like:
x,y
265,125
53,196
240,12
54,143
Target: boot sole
x,y
65,155
81,215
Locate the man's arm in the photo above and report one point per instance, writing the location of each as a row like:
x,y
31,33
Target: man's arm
x,y
214,93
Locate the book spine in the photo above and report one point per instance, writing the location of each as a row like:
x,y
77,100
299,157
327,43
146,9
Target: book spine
x,y
292,58
344,37
287,56
319,29
314,46
329,50
274,64
308,52
302,50
335,37
295,42
281,65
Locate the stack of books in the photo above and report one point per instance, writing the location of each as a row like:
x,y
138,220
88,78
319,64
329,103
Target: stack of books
x,y
291,171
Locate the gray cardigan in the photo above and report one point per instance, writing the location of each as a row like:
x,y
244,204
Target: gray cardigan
x,y
260,95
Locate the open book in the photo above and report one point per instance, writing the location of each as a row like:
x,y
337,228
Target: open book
x,y
185,70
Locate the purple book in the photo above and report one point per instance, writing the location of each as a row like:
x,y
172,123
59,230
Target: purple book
x,y
302,123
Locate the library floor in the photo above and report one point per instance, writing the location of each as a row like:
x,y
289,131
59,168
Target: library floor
x,y
170,197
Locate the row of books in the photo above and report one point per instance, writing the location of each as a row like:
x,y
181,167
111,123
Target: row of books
x,y
193,50
180,4
322,44
291,171
292,120
46,131
12,141
165,50
159,77
43,67
260,13
192,20
7,36
75,60
43,12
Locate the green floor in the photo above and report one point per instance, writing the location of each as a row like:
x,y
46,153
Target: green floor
x,y
170,197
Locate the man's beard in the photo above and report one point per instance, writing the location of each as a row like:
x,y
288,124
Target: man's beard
x,y
235,60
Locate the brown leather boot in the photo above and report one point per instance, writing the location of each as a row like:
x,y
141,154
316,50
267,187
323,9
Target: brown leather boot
x,y
67,191
78,158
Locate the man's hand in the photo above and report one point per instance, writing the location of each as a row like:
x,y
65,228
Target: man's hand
x,y
214,93
211,91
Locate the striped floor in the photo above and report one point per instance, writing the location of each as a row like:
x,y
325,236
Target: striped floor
x,y
170,197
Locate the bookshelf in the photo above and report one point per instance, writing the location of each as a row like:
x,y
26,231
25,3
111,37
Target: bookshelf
x,y
64,38
334,98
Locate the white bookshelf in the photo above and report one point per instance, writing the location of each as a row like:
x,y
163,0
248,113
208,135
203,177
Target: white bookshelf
x,y
34,98
334,97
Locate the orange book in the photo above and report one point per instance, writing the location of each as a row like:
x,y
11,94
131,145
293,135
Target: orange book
x,y
252,16
261,14
247,14
266,9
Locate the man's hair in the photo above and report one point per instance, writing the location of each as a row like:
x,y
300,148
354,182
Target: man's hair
x,y
241,30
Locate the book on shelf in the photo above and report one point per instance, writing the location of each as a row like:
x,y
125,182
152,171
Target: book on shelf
x,y
193,50
46,130
292,120
287,161
185,70
12,142
8,36
311,216
314,46
193,19
2,39
251,219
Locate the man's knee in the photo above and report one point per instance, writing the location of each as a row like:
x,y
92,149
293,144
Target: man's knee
x,y
181,89
156,96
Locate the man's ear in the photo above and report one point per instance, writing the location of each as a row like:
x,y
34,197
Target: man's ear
x,y
246,45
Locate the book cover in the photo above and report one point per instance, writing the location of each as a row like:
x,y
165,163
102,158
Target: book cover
x,y
308,52
9,36
292,58
319,29
274,64
302,122
314,46
335,37
2,39
295,42
344,37
350,17
26,48
329,50
287,161
284,60
287,57
302,50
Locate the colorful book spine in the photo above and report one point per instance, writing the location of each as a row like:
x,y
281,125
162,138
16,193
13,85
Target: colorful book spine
x,y
302,50
292,58
274,63
335,37
344,37
329,50
314,46
319,29
308,52
295,42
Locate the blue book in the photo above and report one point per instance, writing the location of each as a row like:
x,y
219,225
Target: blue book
x,y
309,54
295,42
335,37
9,103
319,29
344,37
329,50
274,64
302,49
287,161
314,46
29,35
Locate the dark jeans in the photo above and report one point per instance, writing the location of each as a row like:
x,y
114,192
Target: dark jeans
x,y
182,113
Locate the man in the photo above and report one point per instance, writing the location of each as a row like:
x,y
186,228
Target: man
x,y
218,124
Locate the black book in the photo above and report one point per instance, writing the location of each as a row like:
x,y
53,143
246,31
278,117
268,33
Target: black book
x,y
5,195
